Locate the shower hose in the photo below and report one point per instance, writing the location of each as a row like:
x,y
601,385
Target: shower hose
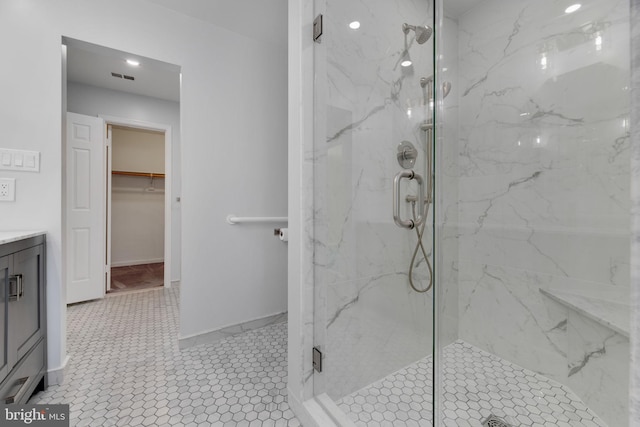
x,y
420,247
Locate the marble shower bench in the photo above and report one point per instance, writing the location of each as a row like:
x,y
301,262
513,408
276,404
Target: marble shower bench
x,y
608,306
597,347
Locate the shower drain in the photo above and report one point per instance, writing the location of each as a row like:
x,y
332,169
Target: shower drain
x,y
493,421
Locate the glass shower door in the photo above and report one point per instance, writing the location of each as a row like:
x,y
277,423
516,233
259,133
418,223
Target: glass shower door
x,y
374,116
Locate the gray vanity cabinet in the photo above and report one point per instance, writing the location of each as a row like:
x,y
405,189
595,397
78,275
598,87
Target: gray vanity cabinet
x,y
25,310
22,319
4,280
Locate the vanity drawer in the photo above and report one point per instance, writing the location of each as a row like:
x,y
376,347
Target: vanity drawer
x,y
22,380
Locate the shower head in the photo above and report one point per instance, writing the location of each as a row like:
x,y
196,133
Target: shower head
x,y
422,32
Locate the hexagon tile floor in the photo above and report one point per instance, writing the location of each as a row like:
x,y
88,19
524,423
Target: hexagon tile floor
x,y
476,385
126,369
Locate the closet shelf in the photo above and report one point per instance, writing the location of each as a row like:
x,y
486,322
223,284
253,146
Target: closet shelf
x,y
145,174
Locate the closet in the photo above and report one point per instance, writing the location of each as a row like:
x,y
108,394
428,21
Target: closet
x,y
136,225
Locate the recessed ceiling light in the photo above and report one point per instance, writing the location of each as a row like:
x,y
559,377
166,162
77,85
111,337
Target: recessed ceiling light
x,y
133,62
573,8
406,63
354,25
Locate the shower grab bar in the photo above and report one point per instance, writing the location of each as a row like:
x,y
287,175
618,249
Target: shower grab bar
x,y
407,223
232,219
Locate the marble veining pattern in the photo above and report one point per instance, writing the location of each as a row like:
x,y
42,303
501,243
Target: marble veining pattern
x,y
533,195
598,362
476,384
543,187
365,105
634,409
608,306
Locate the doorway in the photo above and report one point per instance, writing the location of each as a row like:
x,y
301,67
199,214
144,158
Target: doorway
x,y
135,209
141,105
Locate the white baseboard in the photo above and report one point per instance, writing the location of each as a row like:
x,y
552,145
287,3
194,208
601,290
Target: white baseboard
x,y
56,376
229,331
138,262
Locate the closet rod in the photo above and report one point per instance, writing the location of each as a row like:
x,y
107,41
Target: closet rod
x,y
145,174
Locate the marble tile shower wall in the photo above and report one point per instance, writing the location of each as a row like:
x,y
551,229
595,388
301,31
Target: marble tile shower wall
x,y
544,186
368,321
447,172
634,389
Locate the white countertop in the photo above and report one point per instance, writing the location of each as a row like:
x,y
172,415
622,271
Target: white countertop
x,y
13,236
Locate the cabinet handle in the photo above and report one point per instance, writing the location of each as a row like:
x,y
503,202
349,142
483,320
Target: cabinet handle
x,y
14,397
16,288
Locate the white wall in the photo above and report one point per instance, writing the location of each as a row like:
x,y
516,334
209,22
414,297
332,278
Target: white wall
x,y
233,114
137,221
94,101
137,213
137,150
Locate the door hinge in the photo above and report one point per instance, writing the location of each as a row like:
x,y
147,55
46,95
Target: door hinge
x,y
109,135
317,28
317,359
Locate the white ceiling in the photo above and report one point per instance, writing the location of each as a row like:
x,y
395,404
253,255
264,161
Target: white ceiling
x,y
92,65
267,21
264,20
268,18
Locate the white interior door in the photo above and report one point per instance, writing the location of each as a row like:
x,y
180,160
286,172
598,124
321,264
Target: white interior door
x,y
108,169
85,208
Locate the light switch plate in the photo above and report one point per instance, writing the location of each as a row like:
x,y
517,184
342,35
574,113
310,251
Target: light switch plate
x,y
19,160
7,189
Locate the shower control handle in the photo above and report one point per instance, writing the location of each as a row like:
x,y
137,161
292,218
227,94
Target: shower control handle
x,y
407,223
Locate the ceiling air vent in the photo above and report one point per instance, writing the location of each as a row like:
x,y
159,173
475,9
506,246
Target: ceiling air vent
x,y
122,76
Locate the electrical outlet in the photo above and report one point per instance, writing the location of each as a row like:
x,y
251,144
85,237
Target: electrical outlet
x,y
7,189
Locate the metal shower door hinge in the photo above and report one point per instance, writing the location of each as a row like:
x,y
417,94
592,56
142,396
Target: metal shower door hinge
x,y
317,359
317,28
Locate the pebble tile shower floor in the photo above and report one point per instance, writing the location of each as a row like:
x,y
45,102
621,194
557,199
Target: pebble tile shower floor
x,y
126,369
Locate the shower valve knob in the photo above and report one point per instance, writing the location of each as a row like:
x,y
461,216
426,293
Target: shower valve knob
x,y
407,155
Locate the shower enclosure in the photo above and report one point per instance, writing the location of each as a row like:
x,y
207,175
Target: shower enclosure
x,y
471,178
